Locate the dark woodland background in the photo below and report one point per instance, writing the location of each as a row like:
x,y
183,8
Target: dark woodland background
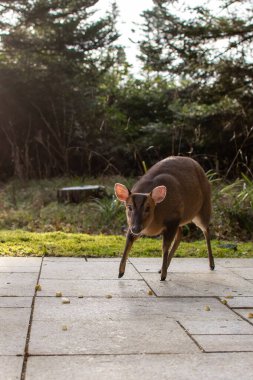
x,y
69,105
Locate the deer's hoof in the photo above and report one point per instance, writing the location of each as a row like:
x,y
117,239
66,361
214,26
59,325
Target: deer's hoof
x,y
121,274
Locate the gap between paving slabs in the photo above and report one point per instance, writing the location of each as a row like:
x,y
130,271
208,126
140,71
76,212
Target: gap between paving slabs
x,y
190,334
18,276
26,355
245,326
200,343
36,350
149,367
94,278
26,351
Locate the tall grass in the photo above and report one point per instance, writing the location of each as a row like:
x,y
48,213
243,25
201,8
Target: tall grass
x,y
233,204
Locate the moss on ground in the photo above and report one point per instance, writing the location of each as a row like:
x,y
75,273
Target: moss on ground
x,y
23,243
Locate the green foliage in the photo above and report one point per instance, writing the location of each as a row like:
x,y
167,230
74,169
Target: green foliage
x,y
246,195
54,56
208,54
233,211
70,107
241,192
111,214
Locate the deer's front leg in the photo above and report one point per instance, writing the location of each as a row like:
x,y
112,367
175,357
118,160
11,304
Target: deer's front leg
x,y
129,242
168,237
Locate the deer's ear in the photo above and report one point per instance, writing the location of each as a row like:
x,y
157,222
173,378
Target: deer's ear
x,y
121,192
159,193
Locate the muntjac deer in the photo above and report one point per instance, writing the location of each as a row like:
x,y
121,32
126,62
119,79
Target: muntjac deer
x,y
173,192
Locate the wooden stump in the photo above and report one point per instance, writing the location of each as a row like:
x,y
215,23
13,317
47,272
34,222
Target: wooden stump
x,y
79,194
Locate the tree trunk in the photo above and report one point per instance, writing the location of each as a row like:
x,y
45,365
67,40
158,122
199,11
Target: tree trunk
x,y
79,194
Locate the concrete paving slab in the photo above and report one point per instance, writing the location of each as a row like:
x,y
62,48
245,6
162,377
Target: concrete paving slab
x,y
14,324
94,288
240,302
129,336
185,265
50,311
199,284
236,263
93,270
10,367
223,366
131,333
246,273
15,302
17,284
229,343
149,265
105,259
60,259
19,269
220,326
51,308
20,261
79,259
246,313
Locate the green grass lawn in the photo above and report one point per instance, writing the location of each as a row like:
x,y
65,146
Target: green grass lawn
x,y
23,243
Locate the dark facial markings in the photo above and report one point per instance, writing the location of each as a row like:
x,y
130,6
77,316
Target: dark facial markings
x,y
138,201
138,212
139,205
129,207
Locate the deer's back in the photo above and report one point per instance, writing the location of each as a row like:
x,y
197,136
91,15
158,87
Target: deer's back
x,y
187,188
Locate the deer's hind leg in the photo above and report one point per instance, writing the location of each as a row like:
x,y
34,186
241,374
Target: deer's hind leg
x,y
202,220
206,233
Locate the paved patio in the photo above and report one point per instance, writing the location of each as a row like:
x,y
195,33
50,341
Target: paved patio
x,y
195,325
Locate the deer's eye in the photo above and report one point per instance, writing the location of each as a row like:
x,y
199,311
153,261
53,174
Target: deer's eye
x,y
130,208
147,209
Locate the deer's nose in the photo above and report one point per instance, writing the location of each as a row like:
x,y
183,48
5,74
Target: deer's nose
x,y
136,229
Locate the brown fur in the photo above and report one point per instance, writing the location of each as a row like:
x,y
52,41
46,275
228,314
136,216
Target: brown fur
x,y
188,198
